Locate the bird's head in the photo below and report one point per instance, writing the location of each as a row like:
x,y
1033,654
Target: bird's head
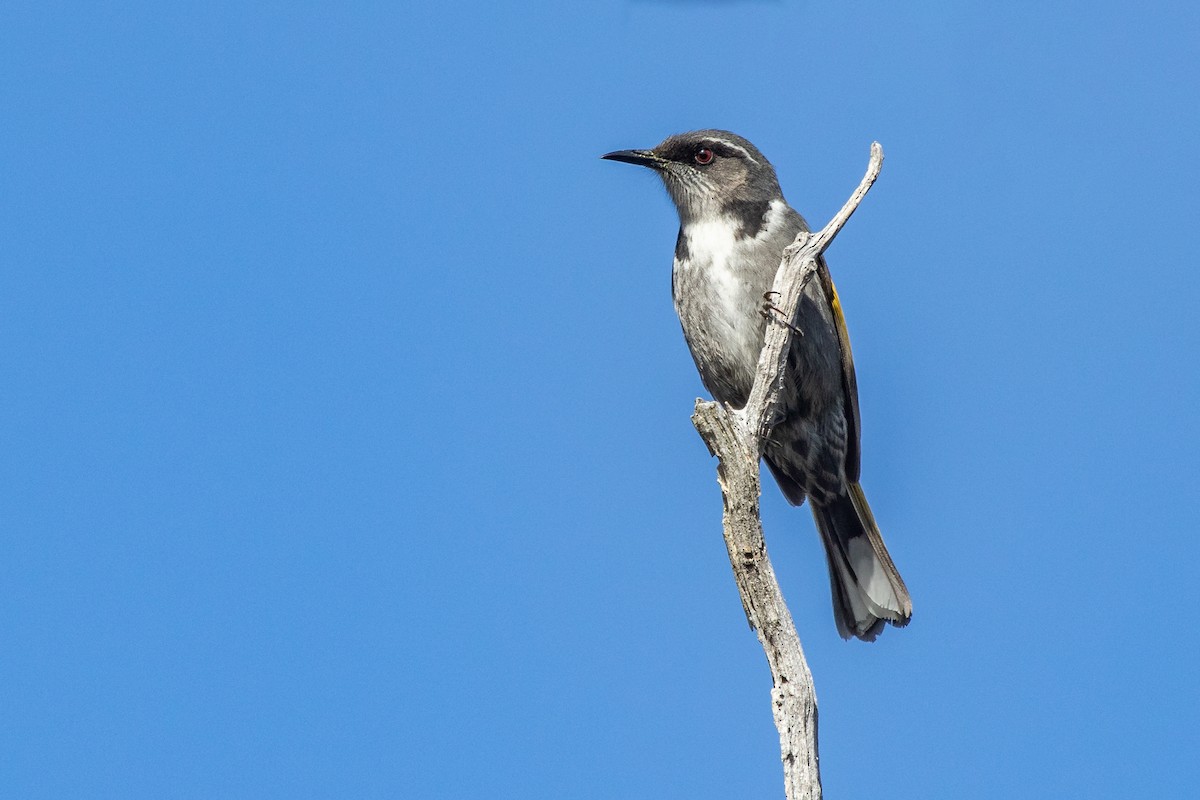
x,y
708,173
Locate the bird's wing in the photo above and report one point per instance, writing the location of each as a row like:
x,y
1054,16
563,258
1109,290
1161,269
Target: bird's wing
x,y
849,382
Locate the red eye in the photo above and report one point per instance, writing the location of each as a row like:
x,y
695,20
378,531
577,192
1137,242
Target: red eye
x,y
704,156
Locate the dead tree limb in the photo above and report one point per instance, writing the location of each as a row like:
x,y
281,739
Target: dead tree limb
x,y
736,438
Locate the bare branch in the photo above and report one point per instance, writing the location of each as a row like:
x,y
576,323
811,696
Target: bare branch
x,y
797,268
736,438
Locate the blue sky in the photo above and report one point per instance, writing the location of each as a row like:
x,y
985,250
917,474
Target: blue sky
x,y
346,447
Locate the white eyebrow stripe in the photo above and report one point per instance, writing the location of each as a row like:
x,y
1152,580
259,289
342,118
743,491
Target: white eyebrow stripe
x,y
733,146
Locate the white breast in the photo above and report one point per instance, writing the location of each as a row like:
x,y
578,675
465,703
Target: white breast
x,y
716,269
718,293
712,247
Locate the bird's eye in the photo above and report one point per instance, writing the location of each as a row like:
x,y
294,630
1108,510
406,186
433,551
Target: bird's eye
x,y
704,156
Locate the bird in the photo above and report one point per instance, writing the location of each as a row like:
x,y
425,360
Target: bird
x,y
734,224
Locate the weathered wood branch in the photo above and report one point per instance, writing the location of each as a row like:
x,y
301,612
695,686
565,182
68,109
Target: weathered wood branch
x,y
736,438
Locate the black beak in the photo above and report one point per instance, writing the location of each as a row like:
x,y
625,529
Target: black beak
x,y
643,158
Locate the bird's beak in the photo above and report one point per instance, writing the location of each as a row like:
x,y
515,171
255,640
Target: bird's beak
x,y
643,158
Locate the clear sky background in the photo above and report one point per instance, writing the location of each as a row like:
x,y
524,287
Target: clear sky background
x,y
345,447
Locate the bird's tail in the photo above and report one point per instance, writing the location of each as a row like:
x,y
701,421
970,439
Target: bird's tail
x,y
867,589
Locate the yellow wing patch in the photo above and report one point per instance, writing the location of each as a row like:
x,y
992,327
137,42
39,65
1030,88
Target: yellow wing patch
x,y
849,381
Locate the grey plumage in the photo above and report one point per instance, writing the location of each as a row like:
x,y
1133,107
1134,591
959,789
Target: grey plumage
x,y
734,226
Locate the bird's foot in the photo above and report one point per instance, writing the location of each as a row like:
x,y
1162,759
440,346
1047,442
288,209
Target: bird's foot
x,y
772,311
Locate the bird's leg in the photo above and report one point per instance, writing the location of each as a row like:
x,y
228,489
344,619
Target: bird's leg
x,y
769,306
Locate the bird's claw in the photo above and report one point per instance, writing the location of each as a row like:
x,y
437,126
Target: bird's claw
x,y
769,306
